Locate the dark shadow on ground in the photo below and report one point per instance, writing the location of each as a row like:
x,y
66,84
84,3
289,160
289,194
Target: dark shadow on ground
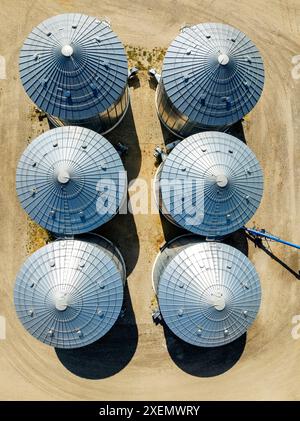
x,y
134,82
204,362
238,239
152,83
110,354
170,230
121,230
126,133
237,130
258,242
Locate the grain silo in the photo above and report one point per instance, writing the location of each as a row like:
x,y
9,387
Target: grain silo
x,y
212,76
71,180
208,292
69,293
74,68
210,184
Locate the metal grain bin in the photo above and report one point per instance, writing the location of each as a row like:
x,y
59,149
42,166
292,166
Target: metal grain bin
x,y
208,293
71,180
212,76
74,68
210,184
69,293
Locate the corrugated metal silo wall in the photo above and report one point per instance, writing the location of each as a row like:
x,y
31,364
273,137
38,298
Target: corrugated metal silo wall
x,y
103,122
176,122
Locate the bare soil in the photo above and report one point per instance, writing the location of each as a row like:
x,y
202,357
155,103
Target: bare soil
x,y
138,360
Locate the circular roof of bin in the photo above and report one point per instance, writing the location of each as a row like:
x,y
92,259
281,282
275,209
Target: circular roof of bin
x,y
209,294
71,180
73,66
215,174
213,74
68,294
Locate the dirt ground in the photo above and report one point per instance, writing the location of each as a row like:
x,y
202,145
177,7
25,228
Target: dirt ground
x,y
138,360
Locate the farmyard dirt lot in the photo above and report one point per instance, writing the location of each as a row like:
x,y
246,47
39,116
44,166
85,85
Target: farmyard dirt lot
x,y
138,360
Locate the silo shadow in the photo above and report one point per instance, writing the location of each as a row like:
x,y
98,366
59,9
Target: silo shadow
x,y
121,230
238,240
152,83
134,82
204,362
170,230
110,354
125,133
237,130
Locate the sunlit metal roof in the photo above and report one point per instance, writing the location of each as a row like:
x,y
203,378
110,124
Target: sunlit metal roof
x,y
215,174
213,74
69,293
209,294
71,180
73,66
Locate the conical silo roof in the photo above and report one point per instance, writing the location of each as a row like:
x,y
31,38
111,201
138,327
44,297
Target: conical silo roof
x,y
73,66
213,74
215,174
68,294
209,294
71,180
